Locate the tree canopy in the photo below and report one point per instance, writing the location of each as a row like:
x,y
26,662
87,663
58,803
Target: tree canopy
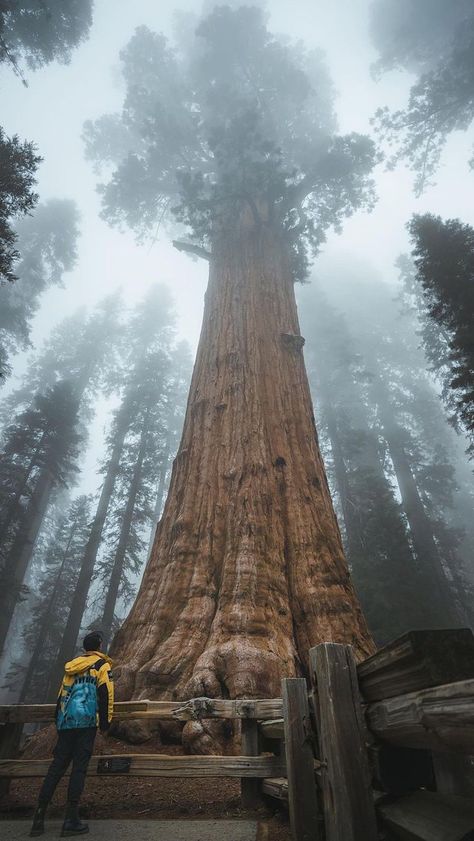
x,y
435,40
443,254
40,31
18,165
226,116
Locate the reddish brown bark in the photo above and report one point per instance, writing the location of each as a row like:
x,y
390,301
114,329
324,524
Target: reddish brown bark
x,y
247,570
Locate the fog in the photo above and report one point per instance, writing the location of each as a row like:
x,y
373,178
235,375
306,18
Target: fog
x,y
51,109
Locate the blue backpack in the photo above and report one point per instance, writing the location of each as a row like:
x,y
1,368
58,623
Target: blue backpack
x,y
79,707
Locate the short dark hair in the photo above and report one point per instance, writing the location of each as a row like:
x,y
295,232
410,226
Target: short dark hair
x,y
92,641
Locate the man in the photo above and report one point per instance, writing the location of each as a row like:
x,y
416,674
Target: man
x,y
86,698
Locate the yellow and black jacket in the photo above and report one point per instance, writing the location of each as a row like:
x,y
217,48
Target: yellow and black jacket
x,y
86,695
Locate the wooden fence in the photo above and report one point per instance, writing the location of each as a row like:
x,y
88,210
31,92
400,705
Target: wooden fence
x,y
383,745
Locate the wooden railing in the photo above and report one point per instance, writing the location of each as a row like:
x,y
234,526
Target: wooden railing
x,y
386,742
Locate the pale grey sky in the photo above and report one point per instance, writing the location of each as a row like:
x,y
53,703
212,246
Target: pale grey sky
x,y
52,110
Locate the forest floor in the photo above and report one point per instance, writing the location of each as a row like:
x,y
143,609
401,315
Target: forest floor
x,y
143,798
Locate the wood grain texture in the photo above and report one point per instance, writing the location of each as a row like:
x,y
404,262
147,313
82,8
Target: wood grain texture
x,y
417,660
247,570
302,794
156,765
426,816
348,802
440,718
249,746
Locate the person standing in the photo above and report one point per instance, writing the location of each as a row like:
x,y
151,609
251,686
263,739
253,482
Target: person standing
x,y
85,701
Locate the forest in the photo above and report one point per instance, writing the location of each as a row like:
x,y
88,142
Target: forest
x,y
236,338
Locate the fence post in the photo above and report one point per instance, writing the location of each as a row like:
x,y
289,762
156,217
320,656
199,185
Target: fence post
x,y
302,796
10,737
348,803
249,788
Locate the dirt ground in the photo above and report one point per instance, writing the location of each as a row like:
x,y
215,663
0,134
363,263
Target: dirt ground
x,y
143,798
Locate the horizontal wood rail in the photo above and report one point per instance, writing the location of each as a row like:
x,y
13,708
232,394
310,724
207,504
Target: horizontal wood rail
x,y
440,718
194,709
159,765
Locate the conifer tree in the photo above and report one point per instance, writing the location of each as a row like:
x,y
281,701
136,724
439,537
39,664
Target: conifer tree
x,y
134,448
47,243
235,131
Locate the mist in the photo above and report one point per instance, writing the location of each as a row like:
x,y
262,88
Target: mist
x,y
103,282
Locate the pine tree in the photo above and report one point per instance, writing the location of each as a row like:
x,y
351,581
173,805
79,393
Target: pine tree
x,y
53,422
134,448
47,242
32,475
377,544
54,591
18,164
443,256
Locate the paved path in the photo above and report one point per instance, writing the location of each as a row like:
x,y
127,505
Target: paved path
x,y
142,830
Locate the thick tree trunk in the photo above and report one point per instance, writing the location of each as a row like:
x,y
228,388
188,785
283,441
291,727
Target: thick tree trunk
x,y
247,572
22,549
79,601
119,559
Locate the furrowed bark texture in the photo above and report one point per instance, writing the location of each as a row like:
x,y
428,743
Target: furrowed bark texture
x,y
247,571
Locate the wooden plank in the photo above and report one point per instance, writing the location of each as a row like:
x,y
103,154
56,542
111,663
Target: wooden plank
x,y
427,816
454,773
302,796
440,718
417,660
195,708
158,765
249,788
272,729
348,803
276,787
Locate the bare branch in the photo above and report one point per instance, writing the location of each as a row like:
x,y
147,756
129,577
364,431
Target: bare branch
x,y
192,249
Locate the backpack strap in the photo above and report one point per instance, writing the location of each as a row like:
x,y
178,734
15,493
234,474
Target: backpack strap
x,y
98,664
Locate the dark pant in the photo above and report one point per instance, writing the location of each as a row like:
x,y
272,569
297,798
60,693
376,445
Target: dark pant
x,y
74,745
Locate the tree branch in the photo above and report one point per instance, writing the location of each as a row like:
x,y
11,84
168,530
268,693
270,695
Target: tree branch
x,y
192,249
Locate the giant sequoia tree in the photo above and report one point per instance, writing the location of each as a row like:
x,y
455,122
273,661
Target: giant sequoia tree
x,y
235,131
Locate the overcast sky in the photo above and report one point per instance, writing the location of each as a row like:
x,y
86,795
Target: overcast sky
x,y
52,110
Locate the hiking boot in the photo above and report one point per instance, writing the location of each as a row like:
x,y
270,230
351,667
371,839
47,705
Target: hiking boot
x,y
37,827
72,823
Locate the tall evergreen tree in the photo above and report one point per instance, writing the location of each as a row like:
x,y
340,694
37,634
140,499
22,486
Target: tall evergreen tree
x,y
52,424
235,130
42,634
18,165
443,256
47,243
29,485
377,544
134,447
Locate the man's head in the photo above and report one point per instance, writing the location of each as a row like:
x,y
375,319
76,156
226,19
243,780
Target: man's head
x,y
93,641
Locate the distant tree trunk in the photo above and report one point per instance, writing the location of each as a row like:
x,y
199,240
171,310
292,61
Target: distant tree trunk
x,y
79,601
44,626
440,603
12,509
22,549
247,571
160,491
117,570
